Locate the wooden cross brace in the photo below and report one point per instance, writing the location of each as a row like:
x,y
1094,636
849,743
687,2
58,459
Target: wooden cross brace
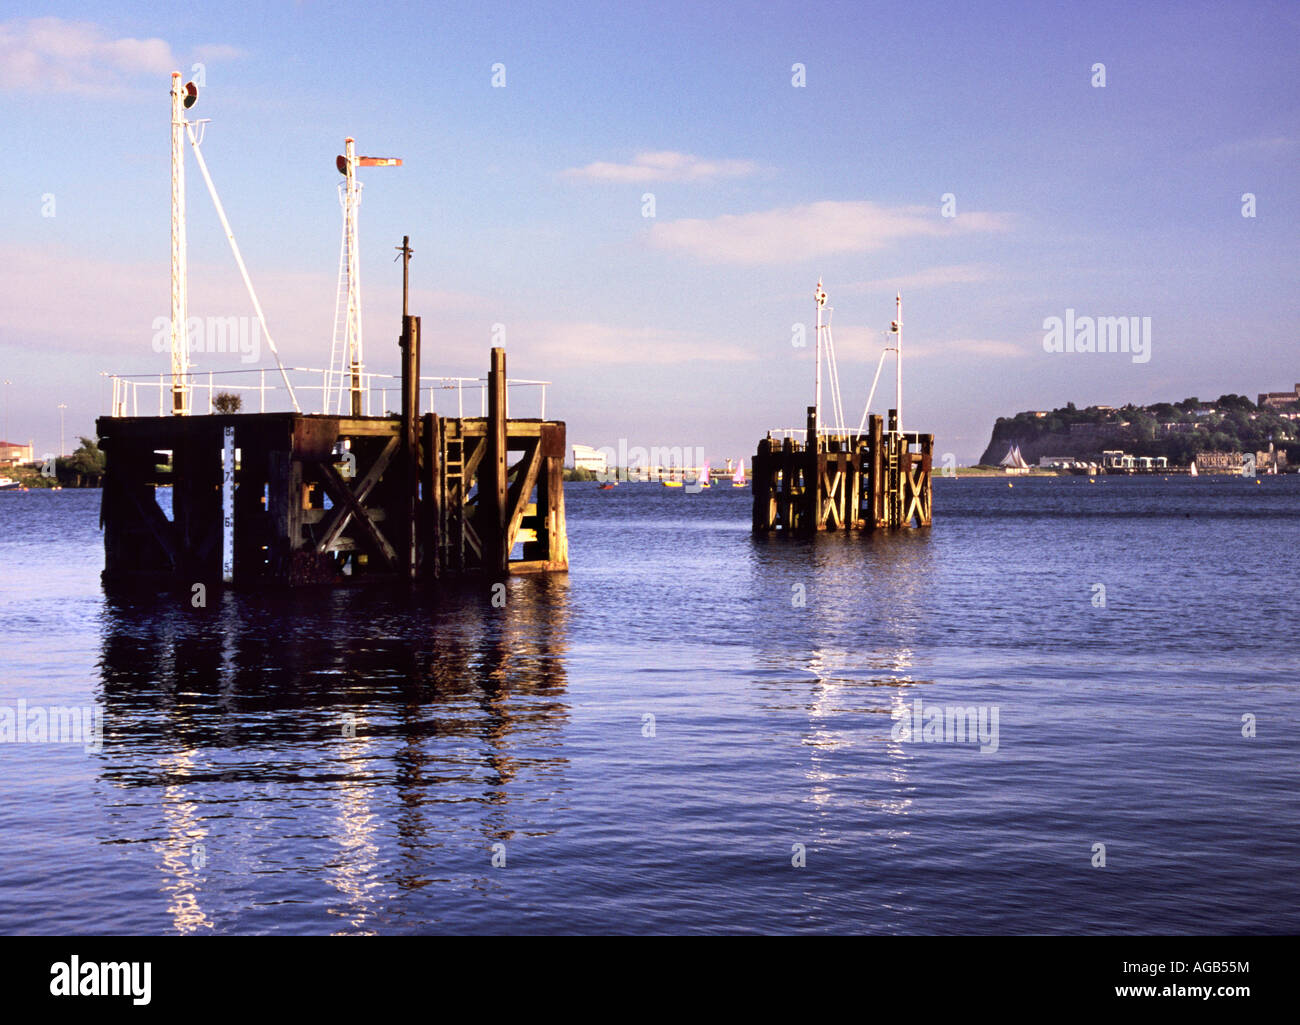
x,y
349,505
915,495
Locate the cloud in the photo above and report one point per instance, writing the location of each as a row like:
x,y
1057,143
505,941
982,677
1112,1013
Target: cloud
x,y
799,233
662,166
857,344
587,343
62,300
55,55
988,348
931,277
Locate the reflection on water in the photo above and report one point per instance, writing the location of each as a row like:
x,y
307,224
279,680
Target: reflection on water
x,y
182,852
261,712
345,761
858,611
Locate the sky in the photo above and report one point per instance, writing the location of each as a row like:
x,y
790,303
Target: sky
x,y
639,199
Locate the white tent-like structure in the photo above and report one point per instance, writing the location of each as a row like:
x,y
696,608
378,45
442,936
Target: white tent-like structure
x,y
1013,461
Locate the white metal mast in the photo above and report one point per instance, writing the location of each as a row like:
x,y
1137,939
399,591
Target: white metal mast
x,y
182,97
820,296
338,348
351,356
897,328
826,344
353,347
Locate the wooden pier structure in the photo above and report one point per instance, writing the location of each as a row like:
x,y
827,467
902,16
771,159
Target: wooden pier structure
x,y
292,499
879,480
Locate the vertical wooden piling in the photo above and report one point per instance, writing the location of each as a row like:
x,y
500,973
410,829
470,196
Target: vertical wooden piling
x,y
410,345
762,480
496,552
812,473
871,481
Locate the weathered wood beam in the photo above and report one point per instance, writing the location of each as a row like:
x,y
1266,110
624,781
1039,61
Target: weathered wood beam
x,y
521,490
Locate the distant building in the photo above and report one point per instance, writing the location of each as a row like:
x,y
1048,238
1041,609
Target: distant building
x,y
1117,461
11,452
1219,462
1284,403
587,458
1271,462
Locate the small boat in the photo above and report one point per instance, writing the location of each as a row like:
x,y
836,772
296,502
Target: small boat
x,y
7,483
671,483
704,480
738,478
608,485
1192,469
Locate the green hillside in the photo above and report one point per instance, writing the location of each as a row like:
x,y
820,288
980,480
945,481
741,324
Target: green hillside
x,y
1178,430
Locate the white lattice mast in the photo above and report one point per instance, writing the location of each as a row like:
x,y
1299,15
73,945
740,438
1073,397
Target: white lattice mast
x,y
826,344
352,349
353,358
332,398
820,297
897,329
183,97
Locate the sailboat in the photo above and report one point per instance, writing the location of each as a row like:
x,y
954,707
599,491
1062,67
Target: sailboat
x,y
1192,469
704,480
738,478
670,482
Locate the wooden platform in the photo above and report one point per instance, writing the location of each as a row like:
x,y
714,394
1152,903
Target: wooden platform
x,y
333,499
879,480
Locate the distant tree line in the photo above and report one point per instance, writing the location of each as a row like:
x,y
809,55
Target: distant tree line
x,y
84,468
1236,425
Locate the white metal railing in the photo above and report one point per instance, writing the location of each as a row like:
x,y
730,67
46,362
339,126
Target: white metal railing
x,y
801,433
134,394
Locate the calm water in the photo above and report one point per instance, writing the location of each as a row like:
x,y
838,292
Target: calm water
x,y
227,796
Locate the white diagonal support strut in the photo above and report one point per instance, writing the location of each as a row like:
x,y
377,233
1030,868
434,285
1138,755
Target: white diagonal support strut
x,y
234,248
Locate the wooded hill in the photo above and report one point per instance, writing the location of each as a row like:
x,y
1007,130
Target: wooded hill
x,y
1176,430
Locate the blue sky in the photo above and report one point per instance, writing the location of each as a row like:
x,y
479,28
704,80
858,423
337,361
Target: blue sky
x,y
525,203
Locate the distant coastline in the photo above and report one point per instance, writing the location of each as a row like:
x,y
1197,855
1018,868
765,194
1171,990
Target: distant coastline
x,y
1181,432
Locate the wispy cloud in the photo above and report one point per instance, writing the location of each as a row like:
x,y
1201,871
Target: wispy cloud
x,y
856,344
62,299
56,55
989,348
588,343
931,277
798,233
662,166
